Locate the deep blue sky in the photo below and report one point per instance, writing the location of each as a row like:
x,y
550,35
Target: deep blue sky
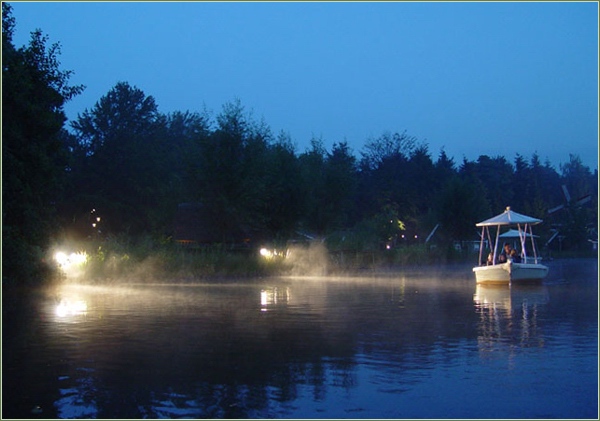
x,y
472,78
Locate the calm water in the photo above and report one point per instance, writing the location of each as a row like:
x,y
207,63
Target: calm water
x,y
412,344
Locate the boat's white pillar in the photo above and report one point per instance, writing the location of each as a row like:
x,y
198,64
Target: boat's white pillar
x,y
496,242
481,245
523,239
535,258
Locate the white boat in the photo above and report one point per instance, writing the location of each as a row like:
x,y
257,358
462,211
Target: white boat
x,y
523,269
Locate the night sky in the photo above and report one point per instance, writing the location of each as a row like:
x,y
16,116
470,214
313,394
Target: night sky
x,y
471,78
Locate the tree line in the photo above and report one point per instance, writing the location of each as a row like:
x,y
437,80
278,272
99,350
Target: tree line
x,y
136,165
132,165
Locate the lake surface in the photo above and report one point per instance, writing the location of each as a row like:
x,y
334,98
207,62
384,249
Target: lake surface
x,y
419,343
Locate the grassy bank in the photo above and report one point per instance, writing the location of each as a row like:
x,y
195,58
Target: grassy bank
x,y
148,260
152,260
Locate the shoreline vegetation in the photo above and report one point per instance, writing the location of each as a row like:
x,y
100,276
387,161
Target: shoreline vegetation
x,y
148,262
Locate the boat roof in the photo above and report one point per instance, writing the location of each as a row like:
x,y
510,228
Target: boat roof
x,y
509,217
512,233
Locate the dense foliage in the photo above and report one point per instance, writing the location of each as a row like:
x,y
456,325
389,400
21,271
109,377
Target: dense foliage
x,y
125,161
34,90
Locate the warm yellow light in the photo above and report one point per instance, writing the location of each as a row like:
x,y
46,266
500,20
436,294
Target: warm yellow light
x,y
78,258
65,261
270,254
61,258
266,253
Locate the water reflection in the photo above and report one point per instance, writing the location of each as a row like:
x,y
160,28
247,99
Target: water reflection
x,y
78,400
274,296
205,351
68,307
508,315
378,347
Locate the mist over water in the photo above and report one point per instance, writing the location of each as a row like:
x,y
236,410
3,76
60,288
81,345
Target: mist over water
x,y
418,343
311,260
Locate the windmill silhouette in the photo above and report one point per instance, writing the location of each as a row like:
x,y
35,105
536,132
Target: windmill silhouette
x,y
570,207
579,202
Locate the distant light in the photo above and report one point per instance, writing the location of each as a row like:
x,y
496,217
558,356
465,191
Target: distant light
x,y
78,258
269,254
61,258
65,261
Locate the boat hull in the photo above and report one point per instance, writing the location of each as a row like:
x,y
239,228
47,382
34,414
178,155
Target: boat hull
x,y
507,273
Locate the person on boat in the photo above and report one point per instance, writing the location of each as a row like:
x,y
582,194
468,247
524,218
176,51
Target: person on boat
x,y
514,256
505,254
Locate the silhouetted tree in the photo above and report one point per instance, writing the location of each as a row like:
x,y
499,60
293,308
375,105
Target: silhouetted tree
x,y
386,180
444,169
544,188
386,175
312,172
231,173
421,181
339,187
124,172
460,206
184,131
284,204
496,174
34,91
387,145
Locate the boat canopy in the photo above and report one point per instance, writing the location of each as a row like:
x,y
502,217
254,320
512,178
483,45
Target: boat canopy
x,y
509,217
515,234
506,219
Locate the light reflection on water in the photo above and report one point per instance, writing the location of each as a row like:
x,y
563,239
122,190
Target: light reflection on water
x,y
421,344
509,316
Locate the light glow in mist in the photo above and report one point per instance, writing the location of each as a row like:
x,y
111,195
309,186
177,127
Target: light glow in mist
x,y
270,254
74,259
72,265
